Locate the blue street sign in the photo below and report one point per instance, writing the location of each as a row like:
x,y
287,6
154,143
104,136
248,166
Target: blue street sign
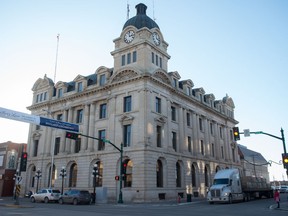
x,y
59,124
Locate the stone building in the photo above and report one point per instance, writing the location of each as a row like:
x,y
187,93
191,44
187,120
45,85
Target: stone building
x,y
175,136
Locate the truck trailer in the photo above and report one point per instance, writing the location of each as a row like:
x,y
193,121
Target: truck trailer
x,y
228,186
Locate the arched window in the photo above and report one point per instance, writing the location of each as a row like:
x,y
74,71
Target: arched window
x,y
100,174
33,176
51,181
193,175
159,173
206,177
73,175
178,174
127,172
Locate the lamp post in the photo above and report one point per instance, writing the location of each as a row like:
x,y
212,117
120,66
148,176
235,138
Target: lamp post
x,y
63,175
95,174
38,175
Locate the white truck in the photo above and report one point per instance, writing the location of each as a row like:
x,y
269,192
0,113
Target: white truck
x,y
229,186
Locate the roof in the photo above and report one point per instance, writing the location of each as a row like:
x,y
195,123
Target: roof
x,y
141,20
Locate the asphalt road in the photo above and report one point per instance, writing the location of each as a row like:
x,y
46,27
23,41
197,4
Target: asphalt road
x,y
198,208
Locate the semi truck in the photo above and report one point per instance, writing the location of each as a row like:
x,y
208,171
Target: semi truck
x,y
228,186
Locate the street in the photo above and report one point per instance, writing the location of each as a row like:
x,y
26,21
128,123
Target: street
x,y
200,208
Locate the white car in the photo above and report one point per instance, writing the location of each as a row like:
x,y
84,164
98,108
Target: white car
x,y
283,189
46,195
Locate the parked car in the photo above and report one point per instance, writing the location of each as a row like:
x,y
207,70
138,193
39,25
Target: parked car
x,y
75,197
28,194
46,195
283,189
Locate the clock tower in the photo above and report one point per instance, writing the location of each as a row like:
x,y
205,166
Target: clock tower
x,y
141,45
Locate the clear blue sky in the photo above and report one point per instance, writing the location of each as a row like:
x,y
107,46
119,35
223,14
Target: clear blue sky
x,y
234,47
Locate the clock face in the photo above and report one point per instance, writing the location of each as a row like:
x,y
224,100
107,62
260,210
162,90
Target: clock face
x,y
156,38
129,36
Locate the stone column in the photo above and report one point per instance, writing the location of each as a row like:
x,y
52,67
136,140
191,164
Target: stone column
x,y
91,128
68,141
84,140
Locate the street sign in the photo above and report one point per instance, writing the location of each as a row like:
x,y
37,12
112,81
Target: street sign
x,y
59,124
19,180
246,132
32,119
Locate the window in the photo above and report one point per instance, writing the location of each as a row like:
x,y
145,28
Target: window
x,y
37,98
152,57
211,128
102,113
51,180
80,87
174,141
157,60
45,96
35,150
202,147
101,144
102,79
188,91
99,177
128,58
159,130
41,96
213,150
158,105
128,171
60,117
123,60
134,56
127,135
178,174
173,113
189,144
193,176
57,145
174,82
77,146
221,134
79,116
200,124
160,61
222,152
127,103
188,119
159,174
73,175
60,93
206,177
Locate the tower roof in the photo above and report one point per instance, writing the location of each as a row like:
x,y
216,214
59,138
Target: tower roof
x,y
141,19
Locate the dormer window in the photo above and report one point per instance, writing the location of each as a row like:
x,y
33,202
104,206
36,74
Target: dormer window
x,y
79,87
188,91
60,93
174,82
102,79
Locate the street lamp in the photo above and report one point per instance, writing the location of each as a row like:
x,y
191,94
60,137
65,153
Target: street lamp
x,y
63,175
38,175
95,174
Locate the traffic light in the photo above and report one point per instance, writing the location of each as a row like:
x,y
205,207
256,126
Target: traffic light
x,y
74,136
23,162
124,171
117,178
285,160
236,133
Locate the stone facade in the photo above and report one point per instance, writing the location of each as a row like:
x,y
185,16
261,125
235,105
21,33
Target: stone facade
x,y
175,137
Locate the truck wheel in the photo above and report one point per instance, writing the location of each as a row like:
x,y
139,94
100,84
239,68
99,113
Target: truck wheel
x,y
75,201
230,199
46,200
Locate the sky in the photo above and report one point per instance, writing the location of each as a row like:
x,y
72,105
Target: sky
x,y
233,47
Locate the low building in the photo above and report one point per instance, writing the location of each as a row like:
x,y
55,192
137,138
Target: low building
x,y
10,154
